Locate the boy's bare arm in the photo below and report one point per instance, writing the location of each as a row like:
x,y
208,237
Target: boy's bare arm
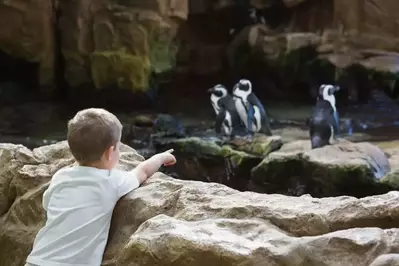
x,y
147,168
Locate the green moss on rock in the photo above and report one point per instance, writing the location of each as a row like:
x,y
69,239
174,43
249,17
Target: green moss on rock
x,y
162,52
197,145
120,68
391,180
261,145
340,169
207,148
236,157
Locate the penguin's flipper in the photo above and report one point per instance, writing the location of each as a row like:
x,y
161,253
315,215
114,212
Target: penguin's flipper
x,y
266,129
219,120
250,116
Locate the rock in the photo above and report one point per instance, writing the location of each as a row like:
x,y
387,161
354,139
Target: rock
x,y
344,168
293,3
362,19
208,160
119,45
27,32
261,145
175,222
386,260
392,178
168,125
35,43
173,239
143,121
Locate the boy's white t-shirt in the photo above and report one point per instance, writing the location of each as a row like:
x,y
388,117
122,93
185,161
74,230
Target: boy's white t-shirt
x,y
79,204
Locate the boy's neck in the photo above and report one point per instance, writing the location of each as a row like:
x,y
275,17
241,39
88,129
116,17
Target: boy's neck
x,y
98,165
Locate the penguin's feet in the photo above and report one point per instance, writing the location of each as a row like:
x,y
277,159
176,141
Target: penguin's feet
x,y
248,138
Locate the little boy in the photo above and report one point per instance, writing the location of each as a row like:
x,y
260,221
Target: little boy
x,y
80,199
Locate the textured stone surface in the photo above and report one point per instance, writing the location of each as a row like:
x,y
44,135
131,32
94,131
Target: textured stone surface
x,y
392,178
188,223
111,44
343,168
374,20
208,160
26,31
119,44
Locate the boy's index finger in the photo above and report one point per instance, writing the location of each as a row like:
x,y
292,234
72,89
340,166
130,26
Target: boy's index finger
x,y
170,151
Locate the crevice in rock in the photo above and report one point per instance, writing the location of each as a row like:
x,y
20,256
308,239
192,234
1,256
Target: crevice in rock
x,y
19,79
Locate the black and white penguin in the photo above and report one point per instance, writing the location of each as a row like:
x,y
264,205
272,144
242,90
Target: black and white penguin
x,y
250,109
226,113
324,121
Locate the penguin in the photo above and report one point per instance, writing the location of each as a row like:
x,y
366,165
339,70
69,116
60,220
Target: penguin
x,y
250,109
226,114
324,121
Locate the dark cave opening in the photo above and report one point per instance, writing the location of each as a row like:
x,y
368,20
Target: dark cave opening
x,y
19,79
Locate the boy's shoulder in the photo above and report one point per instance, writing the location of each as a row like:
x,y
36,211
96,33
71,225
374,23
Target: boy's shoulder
x,y
76,171
64,171
75,174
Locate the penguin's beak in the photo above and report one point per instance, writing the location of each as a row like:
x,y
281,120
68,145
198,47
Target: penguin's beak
x,y
336,88
211,90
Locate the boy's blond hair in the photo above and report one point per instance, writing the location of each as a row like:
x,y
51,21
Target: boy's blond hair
x,y
90,132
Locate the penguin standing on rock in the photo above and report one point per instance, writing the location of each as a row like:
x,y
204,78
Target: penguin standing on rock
x,y
250,109
324,121
226,113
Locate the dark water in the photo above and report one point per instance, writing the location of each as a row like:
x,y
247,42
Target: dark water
x,y
288,121
38,123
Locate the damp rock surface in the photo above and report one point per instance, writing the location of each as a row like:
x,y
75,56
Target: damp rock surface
x,y
344,168
188,223
392,178
210,159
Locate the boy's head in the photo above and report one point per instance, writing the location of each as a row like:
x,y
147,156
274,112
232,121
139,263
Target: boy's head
x,y
94,136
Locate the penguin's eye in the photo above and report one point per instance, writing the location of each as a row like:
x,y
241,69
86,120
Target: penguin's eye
x,y
330,92
245,87
218,93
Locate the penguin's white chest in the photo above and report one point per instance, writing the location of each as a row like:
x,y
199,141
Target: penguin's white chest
x,y
228,124
214,101
256,126
241,110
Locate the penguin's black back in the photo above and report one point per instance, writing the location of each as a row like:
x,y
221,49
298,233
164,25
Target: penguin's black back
x,y
253,100
320,124
228,104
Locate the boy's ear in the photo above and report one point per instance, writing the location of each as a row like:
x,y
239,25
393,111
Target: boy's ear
x,y
108,152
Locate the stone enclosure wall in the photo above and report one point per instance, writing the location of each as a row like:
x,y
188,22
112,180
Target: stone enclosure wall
x,y
120,43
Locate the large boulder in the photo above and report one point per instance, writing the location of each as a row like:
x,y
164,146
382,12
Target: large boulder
x,y
119,45
371,22
27,32
344,168
392,178
209,159
188,223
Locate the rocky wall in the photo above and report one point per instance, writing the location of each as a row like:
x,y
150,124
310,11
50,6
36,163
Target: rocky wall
x,y
123,44
188,223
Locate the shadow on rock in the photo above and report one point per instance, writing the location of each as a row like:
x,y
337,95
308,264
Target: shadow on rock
x,y
209,159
